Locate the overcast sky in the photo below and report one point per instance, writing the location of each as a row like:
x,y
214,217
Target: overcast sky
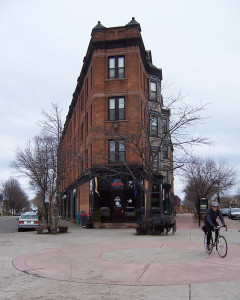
x,y
43,43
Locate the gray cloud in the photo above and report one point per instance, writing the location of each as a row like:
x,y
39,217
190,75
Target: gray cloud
x,y
43,44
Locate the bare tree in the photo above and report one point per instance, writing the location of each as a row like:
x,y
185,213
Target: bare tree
x,y
205,178
38,162
52,124
14,198
184,119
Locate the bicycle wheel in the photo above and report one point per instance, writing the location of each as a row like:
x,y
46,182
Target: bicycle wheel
x,y
210,246
222,246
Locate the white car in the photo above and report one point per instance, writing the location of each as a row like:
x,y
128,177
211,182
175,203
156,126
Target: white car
x,y
234,213
28,220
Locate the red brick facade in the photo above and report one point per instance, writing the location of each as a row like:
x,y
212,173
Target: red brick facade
x,y
87,129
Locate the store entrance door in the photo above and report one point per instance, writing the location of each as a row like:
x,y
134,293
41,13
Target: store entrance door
x,y
117,207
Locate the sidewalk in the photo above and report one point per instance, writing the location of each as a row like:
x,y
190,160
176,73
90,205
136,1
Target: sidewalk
x,y
141,267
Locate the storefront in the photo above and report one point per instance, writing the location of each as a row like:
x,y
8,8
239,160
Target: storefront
x,y
117,199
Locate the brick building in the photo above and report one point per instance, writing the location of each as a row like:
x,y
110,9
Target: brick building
x,y
116,131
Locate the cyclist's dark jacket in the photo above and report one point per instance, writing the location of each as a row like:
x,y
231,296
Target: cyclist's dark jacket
x,y
211,217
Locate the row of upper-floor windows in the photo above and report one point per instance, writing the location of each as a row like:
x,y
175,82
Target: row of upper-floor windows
x,y
116,112
116,105
116,69
117,152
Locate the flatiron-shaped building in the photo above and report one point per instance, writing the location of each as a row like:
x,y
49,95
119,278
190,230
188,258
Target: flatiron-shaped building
x,y
116,122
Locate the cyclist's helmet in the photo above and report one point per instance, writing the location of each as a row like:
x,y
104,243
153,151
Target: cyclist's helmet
x,y
215,204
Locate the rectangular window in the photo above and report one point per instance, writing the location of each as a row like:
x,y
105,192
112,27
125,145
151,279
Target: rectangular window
x,y
87,123
140,73
144,86
155,160
116,151
91,78
82,132
164,126
166,175
116,67
82,101
87,88
91,116
89,156
153,90
154,157
153,125
116,108
165,152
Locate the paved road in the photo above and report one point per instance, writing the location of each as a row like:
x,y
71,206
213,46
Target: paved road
x,y
8,224
117,264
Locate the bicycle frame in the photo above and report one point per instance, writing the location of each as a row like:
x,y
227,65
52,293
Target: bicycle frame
x,y
220,243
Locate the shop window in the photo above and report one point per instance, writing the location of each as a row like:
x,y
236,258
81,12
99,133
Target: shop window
x,y
155,198
117,202
130,206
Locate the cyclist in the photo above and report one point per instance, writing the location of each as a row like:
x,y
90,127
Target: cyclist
x,y
210,222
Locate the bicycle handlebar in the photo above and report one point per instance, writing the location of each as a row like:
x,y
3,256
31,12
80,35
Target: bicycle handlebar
x,y
218,227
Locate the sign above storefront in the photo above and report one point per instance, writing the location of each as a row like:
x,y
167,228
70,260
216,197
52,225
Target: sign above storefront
x,y
117,183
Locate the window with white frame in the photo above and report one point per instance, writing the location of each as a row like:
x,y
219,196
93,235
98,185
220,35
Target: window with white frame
x,y
116,67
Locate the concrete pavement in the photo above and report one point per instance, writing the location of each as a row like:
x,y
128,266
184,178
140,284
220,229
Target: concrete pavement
x,y
117,264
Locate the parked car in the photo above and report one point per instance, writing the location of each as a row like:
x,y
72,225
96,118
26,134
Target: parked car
x,y
28,220
225,211
234,213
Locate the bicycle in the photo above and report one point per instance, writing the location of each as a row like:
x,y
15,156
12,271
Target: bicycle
x,y
220,243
